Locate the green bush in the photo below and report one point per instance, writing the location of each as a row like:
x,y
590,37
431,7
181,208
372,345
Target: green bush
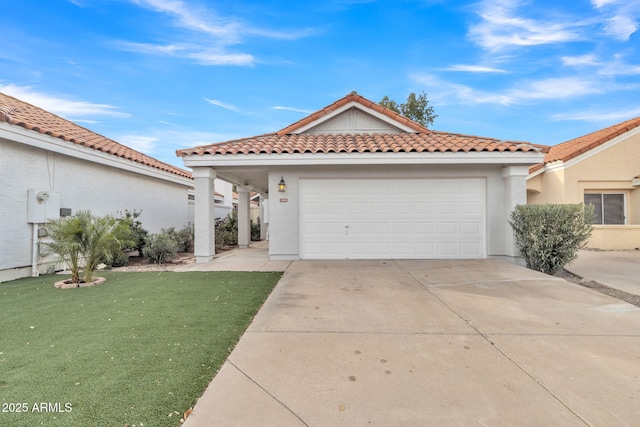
x,y
549,236
255,231
160,248
184,238
116,259
227,231
139,234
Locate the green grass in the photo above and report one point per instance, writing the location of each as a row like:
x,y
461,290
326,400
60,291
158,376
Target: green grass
x,y
129,352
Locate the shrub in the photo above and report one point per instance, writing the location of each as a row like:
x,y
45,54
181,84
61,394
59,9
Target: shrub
x,y
549,236
160,248
139,234
184,238
255,231
227,230
116,259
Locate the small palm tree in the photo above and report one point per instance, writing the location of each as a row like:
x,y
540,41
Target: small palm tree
x,y
84,238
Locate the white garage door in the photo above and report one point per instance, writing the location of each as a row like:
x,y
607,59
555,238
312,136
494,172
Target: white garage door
x,y
392,218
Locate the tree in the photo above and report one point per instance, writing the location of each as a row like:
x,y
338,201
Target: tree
x,y
416,108
84,238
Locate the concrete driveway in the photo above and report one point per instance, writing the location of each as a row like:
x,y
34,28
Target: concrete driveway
x,y
476,342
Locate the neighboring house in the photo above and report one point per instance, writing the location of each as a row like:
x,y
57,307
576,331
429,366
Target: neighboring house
x,y
600,168
50,167
361,181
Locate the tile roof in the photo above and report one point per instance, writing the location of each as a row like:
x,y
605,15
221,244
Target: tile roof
x,y
422,140
431,141
20,113
574,147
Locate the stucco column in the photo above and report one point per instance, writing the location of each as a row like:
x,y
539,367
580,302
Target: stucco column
x,y
515,193
244,219
205,238
264,216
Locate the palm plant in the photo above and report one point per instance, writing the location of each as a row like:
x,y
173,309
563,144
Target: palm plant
x,y
85,238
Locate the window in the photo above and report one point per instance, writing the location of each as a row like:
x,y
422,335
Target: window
x,y
607,208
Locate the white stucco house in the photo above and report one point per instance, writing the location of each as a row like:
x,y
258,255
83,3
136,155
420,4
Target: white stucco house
x,y
362,182
50,167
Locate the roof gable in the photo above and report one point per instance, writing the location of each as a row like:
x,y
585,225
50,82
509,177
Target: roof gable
x,y
19,113
349,107
575,147
354,124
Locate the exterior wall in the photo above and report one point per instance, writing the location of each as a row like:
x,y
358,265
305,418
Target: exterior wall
x,y
284,215
615,237
81,185
609,168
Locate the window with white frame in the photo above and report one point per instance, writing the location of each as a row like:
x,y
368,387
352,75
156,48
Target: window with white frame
x,y
608,208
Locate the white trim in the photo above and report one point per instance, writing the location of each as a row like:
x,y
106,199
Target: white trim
x,y
46,142
361,107
635,182
510,158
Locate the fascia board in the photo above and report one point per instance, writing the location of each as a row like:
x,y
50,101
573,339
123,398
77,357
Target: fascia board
x,y
59,146
536,173
518,158
359,106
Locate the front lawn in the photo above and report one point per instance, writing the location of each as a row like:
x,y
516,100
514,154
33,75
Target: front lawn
x,y
137,350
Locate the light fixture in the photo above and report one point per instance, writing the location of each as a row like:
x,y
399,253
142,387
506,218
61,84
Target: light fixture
x,y
282,185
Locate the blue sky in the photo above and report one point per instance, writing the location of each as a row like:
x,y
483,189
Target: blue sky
x,y
160,75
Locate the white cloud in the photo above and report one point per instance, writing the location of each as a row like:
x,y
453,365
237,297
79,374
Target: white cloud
x,y
501,27
445,92
61,106
475,69
297,110
599,116
142,143
588,59
202,55
222,104
557,88
213,34
621,27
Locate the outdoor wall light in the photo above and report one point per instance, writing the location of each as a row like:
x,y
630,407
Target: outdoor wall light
x,y
282,185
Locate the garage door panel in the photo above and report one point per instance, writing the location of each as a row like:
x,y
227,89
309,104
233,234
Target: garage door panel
x,y
470,249
470,228
400,218
470,208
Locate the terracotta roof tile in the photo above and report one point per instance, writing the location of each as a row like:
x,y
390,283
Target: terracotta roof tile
x,y
574,147
20,113
431,141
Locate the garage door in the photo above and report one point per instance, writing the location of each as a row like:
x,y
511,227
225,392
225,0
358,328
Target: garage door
x,y
393,219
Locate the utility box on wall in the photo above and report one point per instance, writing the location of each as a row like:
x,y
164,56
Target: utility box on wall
x,y
42,205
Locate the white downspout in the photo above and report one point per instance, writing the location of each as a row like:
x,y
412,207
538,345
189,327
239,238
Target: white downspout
x,y
34,251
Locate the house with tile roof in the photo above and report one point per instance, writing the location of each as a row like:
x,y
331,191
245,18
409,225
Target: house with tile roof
x,y
601,168
50,167
355,180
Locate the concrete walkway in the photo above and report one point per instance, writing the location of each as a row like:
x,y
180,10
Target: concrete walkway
x,y
616,269
408,343
253,258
